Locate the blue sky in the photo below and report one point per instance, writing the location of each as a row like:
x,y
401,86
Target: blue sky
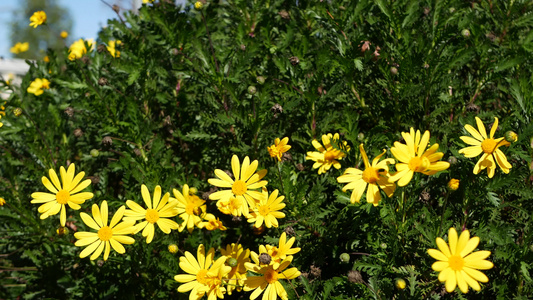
x,y
87,15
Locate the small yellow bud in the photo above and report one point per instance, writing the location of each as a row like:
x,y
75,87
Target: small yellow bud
x,y
17,112
400,284
198,5
511,136
453,184
193,190
2,201
62,230
173,248
64,34
46,59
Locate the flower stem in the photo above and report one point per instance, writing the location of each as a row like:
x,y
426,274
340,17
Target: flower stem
x,y
442,215
280,179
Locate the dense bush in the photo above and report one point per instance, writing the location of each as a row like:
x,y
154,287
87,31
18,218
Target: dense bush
x,y
186,89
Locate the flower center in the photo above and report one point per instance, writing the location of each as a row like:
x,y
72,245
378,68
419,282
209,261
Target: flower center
x,y
239,188
189,209
62,197
271,276
418,164
201,276
488,145
152,215
456,262
264,210
105,233
330,155
370,175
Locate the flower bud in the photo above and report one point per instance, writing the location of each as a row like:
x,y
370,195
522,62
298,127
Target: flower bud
x,y
252,90
400,284
260,79
345,258
511,136
198,5
173,248
232,262
193,190
95,153
465,33
452,160
453,184
17,112
62,230
394,71
2,201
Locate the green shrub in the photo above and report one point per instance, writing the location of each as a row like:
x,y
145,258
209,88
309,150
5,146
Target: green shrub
x,y
191,88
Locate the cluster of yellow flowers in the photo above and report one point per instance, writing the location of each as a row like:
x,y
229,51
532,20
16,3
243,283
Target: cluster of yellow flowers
x,y
228,273
413,156
20,47
159,209
241,196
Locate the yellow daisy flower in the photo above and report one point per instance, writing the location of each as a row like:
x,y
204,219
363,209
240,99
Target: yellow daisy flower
x,y
65,192
376,176
282,251
279,148
78,49
204,276
158,212
112,235
457,265
38,18
236,256
36,87
190,208
414,157
481,143
267,211
269,279
326,156
246,180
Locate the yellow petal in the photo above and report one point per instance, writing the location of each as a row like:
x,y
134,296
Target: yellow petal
x,y
474,132
452,240
463,240
481,128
